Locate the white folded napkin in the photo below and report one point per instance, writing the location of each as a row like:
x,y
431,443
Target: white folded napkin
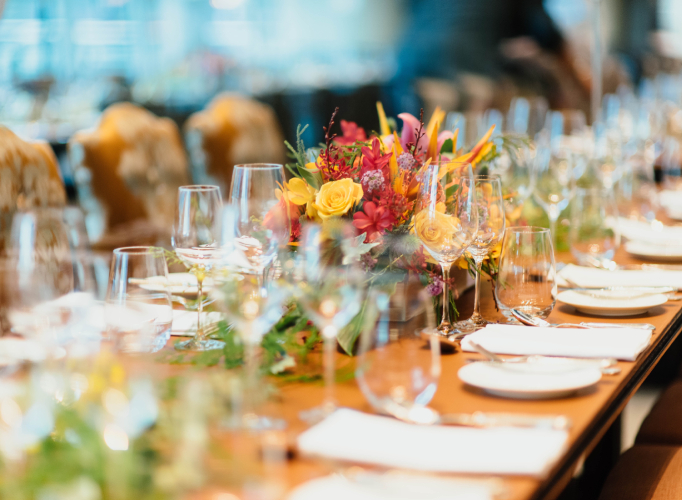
x,y
589,277
353,436
671,201
393,486
655,233
620,343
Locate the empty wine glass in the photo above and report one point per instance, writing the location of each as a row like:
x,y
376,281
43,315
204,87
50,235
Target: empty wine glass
x,y
514,166
330,292
137,311
594,225
263,223
554,180
195,240
491,222
526,278
397,370
446,220
636,191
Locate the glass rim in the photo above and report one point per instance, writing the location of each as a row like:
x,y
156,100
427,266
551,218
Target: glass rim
x,y
527,229
199,187
138,250
259,166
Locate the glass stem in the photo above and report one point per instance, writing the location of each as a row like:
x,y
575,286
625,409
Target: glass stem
x,y
445,323
477,291
200,307
329,336
251,382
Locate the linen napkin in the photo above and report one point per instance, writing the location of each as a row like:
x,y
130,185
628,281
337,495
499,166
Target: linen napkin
x,y
620,343
350,435
594,278
393,486
185,322
655,234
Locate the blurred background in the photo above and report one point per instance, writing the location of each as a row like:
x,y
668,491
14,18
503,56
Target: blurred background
x,y
62,62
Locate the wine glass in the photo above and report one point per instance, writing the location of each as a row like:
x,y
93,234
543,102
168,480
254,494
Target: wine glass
x,y
329,290
554,179
514,166
396,371
195,240
446,220
594,219
491,222
263,223
526,278
636,191
138,311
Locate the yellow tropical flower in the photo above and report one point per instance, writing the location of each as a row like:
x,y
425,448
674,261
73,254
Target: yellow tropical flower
x,y
336,198
312,166
299,192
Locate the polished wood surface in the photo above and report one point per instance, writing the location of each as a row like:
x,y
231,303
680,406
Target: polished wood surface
x,y
592,412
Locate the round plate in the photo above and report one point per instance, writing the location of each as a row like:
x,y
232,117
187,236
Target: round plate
x,y
611,307
529,380
649,251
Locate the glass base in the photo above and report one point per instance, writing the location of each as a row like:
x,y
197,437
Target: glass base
x,y
318,413
447,330
255,423
199,345
471,325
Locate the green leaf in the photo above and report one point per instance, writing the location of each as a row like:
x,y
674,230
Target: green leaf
x,y
446,147
312,178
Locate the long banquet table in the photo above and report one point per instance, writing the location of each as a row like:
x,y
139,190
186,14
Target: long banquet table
x,y
592,413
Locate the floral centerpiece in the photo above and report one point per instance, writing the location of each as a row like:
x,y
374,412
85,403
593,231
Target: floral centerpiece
x,y
374,181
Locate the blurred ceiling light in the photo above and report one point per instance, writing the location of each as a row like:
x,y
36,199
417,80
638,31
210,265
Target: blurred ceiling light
x,y
226,4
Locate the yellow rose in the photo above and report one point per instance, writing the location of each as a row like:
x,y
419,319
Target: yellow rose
x,y
435,229
299,192
337,197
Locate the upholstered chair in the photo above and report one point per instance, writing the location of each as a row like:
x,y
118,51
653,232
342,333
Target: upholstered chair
x,y
127,171
232,130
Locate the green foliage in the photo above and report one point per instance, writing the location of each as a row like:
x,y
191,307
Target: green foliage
x,y
298,154
446,147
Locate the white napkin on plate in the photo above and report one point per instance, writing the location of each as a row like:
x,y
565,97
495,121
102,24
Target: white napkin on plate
x,y
185,322
655,234
589,277
620,343
393,486
353,436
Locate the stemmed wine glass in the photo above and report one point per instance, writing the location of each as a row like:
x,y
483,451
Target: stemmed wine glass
x,y
446,220
263,223
195,240
554,179
514,166
330,292
491,222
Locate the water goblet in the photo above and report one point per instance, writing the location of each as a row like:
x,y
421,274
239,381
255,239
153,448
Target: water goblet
x,y
491,222
195,240
138,316
594,220
397,370
263,223
446,220
526,278
329,290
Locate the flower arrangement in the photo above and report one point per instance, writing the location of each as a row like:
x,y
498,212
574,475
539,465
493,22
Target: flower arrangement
x,y
373,181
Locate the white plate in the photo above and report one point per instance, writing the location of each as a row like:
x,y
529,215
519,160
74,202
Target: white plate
x,y
551,379
650,251
178,283
612,306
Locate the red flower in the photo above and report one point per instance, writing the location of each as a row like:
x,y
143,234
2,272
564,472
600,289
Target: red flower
x,y
351,134
373,220
372,159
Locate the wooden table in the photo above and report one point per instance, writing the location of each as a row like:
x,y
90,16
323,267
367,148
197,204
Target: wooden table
x,y
592,413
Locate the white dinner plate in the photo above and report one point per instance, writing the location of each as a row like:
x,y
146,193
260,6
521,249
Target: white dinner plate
x,y
650,251
589,304
545,380
178,283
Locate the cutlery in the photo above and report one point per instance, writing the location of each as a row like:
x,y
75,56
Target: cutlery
x,y
529,320
601,263
424,415
608,366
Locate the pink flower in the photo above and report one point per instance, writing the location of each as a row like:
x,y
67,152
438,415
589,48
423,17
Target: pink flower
x,y
351,134
409,135
372,159
373,220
